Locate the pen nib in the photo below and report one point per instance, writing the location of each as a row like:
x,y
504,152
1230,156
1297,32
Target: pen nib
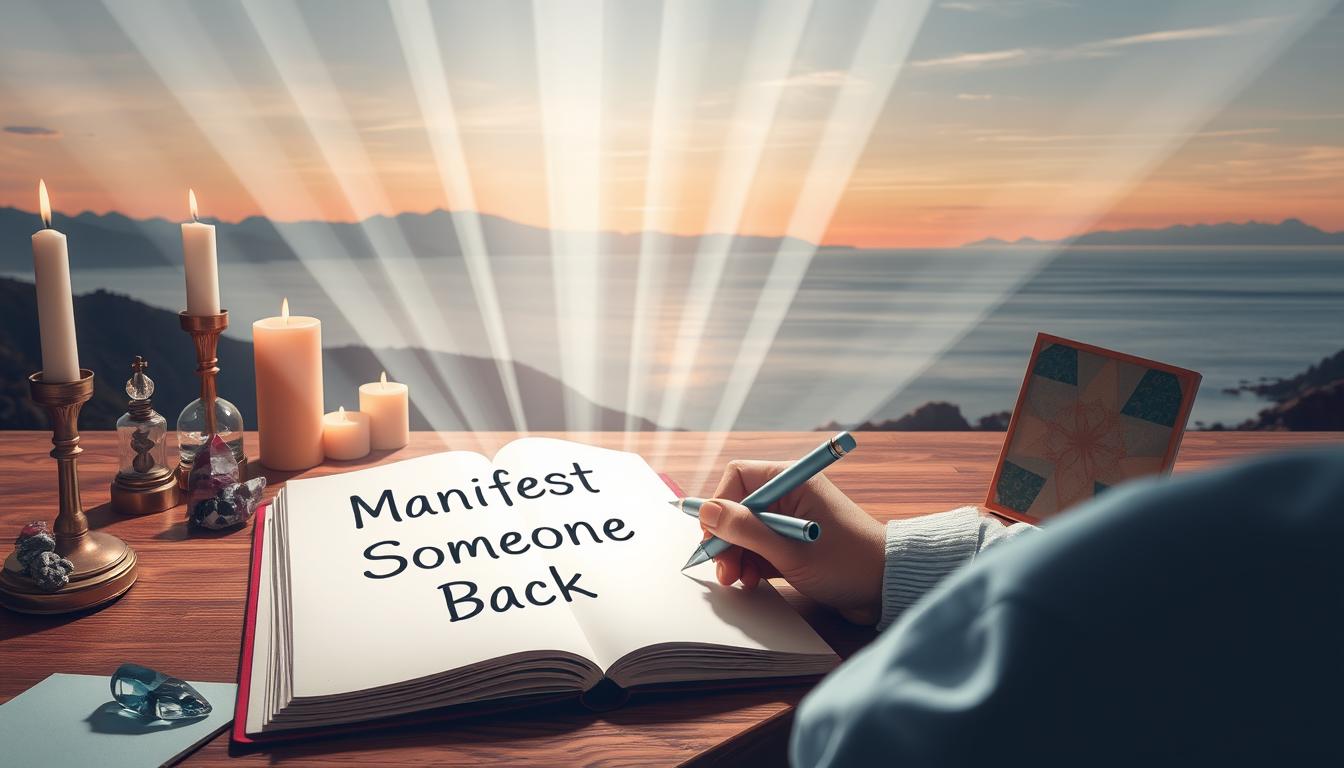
x,y
697,557
675,503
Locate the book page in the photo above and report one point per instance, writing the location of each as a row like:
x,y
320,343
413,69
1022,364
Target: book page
x,y
261,640
620,549
392,577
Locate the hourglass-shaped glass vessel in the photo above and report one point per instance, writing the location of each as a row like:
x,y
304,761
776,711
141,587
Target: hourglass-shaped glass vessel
x,y
144,481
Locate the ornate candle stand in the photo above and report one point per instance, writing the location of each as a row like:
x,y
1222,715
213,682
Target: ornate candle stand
x,y
211,414
105,566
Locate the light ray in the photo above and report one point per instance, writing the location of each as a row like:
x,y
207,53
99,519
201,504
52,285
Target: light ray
x,y
888,34
172,41
680,53
415,26
569,40
885,358
1176,108
284,33
773,51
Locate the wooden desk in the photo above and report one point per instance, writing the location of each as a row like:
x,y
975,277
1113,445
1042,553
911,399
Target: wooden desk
x,y
184,615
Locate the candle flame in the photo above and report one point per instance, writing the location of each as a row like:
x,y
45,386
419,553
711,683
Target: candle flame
x,y
341,411
284,310
383,379
44,203
191,201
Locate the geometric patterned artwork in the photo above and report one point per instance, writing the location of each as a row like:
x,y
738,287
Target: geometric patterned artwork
x,y
1086,419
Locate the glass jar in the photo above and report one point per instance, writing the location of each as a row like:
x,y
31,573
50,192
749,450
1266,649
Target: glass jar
x,y
142,445
193,431
144,482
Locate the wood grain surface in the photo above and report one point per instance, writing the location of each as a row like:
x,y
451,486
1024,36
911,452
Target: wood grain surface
x,y
184,615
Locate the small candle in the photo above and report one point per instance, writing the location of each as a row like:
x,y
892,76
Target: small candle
x,y
388,405
288,354
345,435
198,254
55,301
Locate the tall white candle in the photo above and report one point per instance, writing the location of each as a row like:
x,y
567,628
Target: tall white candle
x,y
198,253
55,302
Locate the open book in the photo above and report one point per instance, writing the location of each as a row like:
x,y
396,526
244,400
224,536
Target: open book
x,y
450,579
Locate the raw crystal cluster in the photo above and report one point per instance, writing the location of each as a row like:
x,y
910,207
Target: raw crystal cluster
x,y
35,549
155,695
216,498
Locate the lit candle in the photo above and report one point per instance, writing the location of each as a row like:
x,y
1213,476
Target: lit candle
x,y
388,405
345,436
288,353
198,254
55,302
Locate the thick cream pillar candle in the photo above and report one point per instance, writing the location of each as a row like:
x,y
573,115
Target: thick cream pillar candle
x,y
55,302
202,266
288,353
388,405
345,435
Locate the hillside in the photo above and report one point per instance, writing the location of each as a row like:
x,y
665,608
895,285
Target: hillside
x,y
1311,400
113,240
1289,232
458,390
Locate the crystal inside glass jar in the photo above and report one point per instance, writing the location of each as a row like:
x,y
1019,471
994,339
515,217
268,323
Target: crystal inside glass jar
x,y
142,447
193,432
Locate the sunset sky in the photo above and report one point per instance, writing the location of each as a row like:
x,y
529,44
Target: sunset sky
x,y
1020,117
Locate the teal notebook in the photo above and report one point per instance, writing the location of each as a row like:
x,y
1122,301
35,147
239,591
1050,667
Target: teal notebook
x,y
72,720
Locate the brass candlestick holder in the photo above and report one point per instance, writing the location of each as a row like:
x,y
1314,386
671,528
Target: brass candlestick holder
x,y
211,414
105,566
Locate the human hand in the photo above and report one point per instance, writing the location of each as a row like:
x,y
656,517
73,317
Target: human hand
x,y
842,569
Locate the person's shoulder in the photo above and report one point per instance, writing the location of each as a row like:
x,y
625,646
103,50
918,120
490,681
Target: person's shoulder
x,y
1165,530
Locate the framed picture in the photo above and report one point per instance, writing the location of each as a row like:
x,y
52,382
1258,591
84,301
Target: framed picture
x,y
1087,419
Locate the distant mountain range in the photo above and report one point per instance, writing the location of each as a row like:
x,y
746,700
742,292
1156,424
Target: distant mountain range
x,y
1290,232
458,391
115,240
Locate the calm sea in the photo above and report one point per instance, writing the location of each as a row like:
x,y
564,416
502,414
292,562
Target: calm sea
x,y
866,334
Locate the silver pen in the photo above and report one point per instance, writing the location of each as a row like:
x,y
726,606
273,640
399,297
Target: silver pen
x,y
776,488
794,528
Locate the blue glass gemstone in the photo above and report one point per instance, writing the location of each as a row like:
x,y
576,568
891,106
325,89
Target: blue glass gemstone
x,y
153,694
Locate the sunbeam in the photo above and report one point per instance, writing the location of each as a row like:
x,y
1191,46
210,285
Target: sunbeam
x,y
294,54
888,34
420,46
772,57
415,26
173,42
569,39
680,56
690,215
1179,105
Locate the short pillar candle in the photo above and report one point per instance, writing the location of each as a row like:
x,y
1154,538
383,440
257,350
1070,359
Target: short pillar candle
x,y
387,404
345,435
288,353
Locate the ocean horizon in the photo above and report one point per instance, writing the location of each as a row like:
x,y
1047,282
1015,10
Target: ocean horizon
x,y
870,333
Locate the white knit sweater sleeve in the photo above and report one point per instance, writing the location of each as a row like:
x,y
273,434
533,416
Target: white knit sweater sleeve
x,y
923,550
